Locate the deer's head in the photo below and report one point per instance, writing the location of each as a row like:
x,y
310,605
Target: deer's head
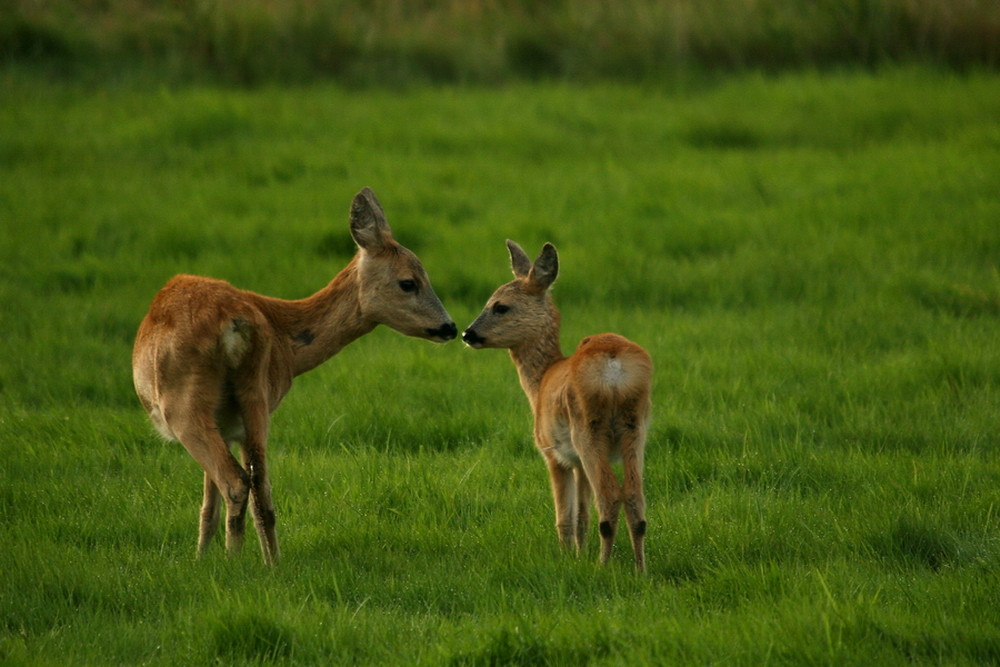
x,y
394,289
521,310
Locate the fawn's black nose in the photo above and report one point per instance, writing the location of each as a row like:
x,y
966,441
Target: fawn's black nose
x,y
472,338
444,332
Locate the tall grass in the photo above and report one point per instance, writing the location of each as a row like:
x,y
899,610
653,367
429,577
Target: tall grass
x,y
398,42
811,260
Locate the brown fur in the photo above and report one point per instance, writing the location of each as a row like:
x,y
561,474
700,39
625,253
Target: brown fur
x,y
590,409
211,361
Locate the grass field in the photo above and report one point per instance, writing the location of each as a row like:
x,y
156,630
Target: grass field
x,y
812,260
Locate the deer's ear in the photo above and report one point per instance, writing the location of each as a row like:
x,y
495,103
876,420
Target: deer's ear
x,y
368,224
545,269
520,263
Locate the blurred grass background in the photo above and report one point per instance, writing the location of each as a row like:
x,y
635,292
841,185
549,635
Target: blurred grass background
x,y
803,234
485,41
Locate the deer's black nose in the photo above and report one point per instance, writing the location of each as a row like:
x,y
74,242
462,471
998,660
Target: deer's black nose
x,y
472,338
446,331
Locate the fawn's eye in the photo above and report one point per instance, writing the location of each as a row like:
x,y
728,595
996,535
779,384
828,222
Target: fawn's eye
x,y
408,285
500,309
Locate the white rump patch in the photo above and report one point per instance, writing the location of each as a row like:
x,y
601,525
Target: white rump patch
x,y
614,372
236,340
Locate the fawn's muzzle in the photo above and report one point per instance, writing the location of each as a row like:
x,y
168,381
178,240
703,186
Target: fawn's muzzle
x,y
473,339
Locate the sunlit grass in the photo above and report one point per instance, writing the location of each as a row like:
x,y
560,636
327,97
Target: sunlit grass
x,y
811,260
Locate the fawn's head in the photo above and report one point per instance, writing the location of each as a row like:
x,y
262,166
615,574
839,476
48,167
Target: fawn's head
x,y
393,287
521,310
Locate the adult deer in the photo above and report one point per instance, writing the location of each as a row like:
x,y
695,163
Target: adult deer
x,y
590,409
211,362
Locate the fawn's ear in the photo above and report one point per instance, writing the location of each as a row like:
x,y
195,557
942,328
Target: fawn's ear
x,y
368,225
545,269
520,263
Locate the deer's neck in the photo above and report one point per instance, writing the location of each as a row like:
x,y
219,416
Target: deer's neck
x,y
319,326
535,357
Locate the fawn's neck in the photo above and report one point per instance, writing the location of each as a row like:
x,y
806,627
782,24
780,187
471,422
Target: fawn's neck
x,y
533,358
319,326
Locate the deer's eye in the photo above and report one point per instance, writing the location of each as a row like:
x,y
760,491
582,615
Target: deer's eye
x,y
500,309
408,285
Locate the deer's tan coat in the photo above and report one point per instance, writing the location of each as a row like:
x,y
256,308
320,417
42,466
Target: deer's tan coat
x,y
211,362
591,408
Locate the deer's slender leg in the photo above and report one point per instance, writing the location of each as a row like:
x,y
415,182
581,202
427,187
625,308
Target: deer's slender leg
x,y
195,427
564,497
584,496
210,515
590,441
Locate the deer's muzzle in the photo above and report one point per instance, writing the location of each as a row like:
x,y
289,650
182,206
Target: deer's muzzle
x,y
445,332
472,339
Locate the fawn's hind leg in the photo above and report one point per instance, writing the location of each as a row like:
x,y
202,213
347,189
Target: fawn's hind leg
x,y
633,444
590,442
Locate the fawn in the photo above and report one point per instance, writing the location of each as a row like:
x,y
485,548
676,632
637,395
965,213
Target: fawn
x,y
590,409
211,362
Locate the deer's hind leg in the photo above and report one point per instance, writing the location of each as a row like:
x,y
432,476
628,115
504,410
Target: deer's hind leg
x,y
193,422
633,442
261,503
256,421
591,440
225,478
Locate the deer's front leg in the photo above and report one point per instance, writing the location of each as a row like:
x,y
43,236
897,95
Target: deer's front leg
x,y
209,515
583,499
564,496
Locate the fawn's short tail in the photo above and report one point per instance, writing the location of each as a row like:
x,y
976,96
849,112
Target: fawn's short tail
x,y
612,366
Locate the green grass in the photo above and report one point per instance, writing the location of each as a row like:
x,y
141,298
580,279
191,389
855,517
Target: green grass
x,y
812,261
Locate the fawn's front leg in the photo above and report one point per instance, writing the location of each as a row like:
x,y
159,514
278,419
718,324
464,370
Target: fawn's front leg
x,y
564,496
584,495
